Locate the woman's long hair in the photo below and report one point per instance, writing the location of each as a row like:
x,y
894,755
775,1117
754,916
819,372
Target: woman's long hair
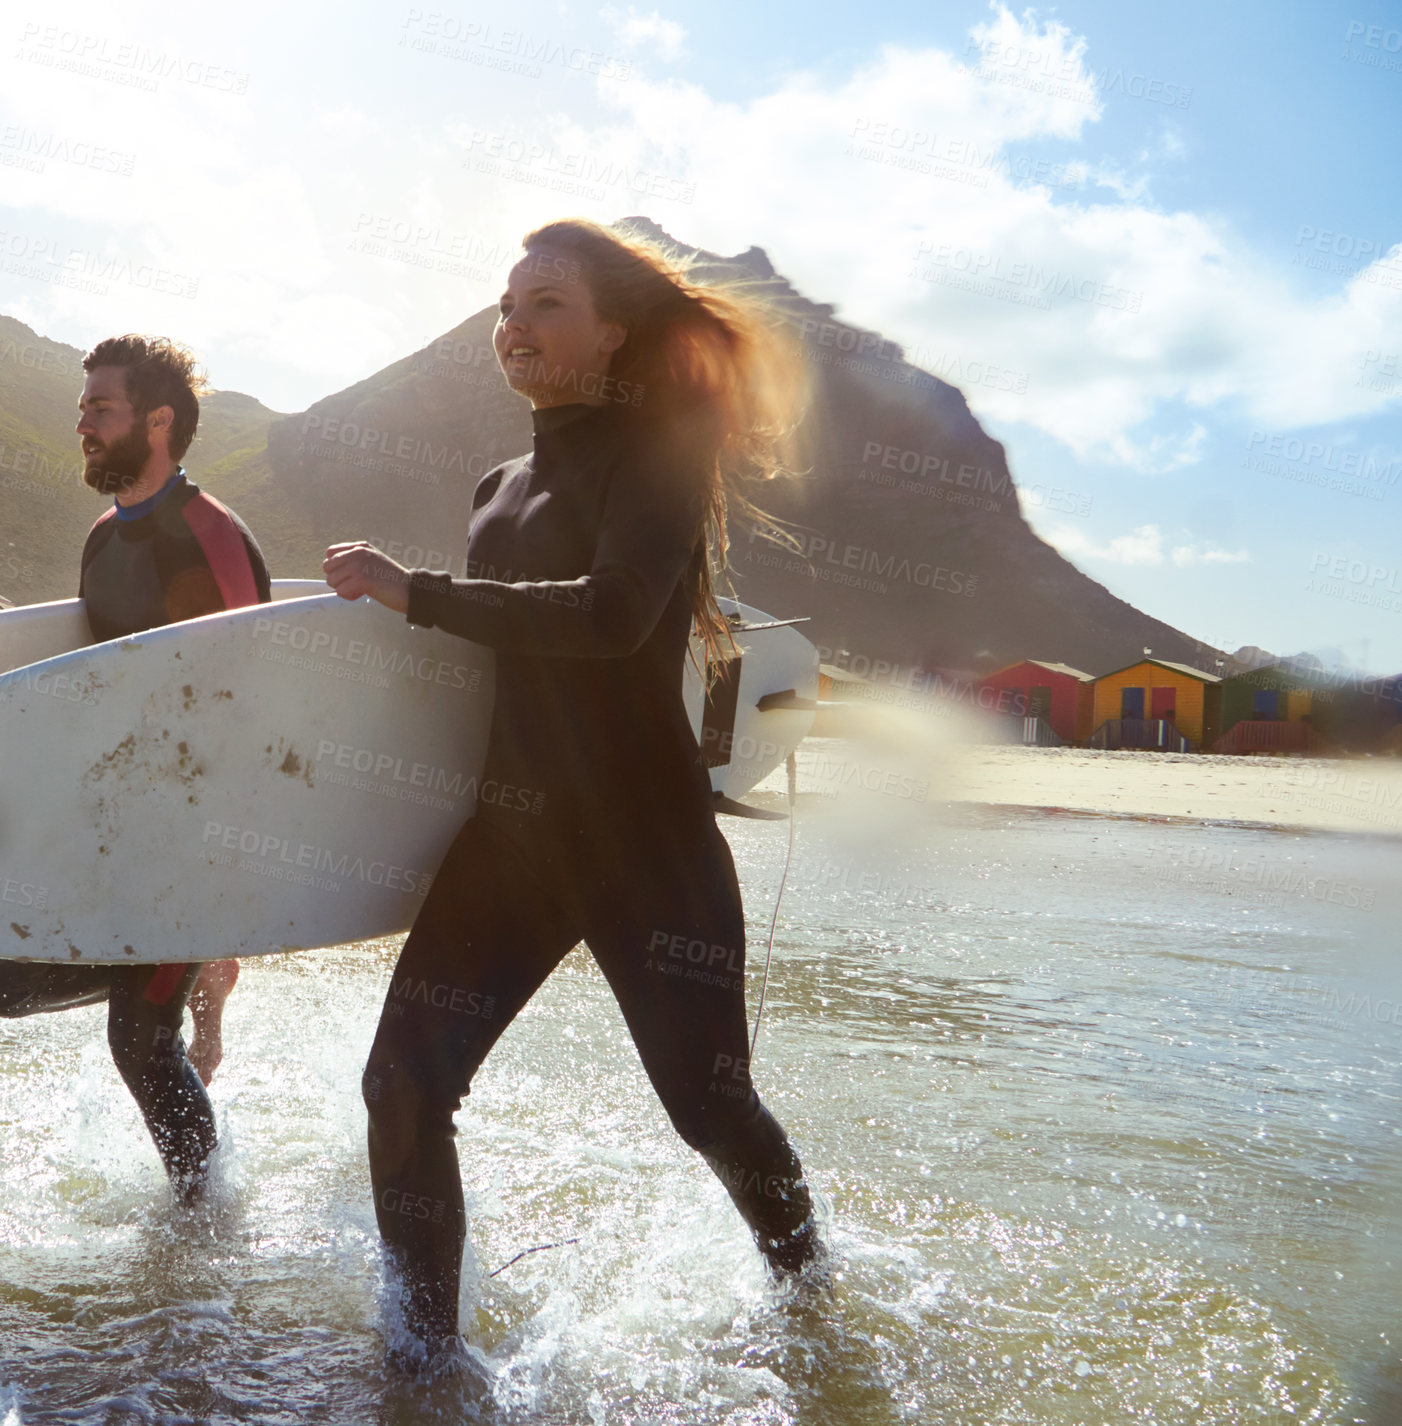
x,y
714,362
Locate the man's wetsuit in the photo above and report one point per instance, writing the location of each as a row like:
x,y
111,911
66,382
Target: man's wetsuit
x,y
603,830
175,556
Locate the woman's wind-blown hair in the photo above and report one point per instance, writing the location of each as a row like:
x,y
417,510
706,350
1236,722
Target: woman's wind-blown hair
x,y
715,365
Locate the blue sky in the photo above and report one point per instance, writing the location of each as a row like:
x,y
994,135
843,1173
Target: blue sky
x,y
1154,239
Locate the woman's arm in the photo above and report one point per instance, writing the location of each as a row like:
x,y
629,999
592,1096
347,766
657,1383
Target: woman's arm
x,y
647,537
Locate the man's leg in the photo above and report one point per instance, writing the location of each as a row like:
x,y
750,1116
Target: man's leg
x,y
207,1012
144,1010
38,987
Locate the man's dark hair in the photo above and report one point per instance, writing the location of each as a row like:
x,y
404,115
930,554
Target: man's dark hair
x,y
159,372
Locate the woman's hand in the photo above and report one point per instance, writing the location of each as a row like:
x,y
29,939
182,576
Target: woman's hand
x,y
359,568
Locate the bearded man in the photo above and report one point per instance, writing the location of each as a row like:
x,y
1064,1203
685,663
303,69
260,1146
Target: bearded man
x,y
164,551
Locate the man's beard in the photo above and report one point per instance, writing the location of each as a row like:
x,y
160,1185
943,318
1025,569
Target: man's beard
x,y
119,467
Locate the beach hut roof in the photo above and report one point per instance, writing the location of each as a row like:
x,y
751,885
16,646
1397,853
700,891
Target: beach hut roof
x,y
1285,671
1062,668
1166,663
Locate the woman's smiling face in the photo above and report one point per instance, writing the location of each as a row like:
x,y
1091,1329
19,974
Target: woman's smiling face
x,y
552,345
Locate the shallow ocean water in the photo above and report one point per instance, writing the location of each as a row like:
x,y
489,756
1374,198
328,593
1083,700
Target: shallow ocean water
x,y
1105,1117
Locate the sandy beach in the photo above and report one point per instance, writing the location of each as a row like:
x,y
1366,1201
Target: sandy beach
x,y
1358,795
1332,794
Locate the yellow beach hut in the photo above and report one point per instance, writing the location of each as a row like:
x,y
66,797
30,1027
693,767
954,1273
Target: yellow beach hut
x,y
1187,697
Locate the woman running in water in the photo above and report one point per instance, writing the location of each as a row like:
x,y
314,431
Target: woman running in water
x,y
653,399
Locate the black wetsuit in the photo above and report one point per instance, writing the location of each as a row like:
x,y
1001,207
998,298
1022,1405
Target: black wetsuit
x,y
177,556
580,555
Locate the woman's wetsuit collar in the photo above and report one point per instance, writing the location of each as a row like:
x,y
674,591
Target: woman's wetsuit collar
x,y
551,418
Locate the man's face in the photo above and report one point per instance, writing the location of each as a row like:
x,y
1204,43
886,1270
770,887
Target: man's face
x,y
116,445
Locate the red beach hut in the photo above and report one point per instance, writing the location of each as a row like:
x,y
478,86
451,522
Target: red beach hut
x,y
1060,695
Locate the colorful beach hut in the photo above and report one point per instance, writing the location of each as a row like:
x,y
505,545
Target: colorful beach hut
x,y
1272,709
1359,713
1155,690
1056,693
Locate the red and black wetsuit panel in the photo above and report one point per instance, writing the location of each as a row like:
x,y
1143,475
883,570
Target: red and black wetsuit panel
x,y
189,556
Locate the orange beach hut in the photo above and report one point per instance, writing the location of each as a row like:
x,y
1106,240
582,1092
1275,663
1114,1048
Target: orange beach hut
x,y
1157,689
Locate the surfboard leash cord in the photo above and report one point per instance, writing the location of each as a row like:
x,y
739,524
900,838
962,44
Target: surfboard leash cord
x,y
526,1252
791,768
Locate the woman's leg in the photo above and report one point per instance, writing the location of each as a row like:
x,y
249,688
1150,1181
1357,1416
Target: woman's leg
x,y
488,934
675,958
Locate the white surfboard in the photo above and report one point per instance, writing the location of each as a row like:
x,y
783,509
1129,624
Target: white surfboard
x,y
281,776
32,632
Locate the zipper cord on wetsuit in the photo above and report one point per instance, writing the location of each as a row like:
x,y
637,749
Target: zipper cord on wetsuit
x,y
791,767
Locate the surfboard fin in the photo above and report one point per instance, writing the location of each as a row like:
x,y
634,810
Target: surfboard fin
x,y
733,808
787,699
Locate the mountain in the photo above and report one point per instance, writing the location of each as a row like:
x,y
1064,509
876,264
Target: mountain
x,y
914,549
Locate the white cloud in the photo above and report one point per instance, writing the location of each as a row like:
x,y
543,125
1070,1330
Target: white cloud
x,y
1208,554
895,190
1172,144
1141,546
1144,545
665,37
1115,309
